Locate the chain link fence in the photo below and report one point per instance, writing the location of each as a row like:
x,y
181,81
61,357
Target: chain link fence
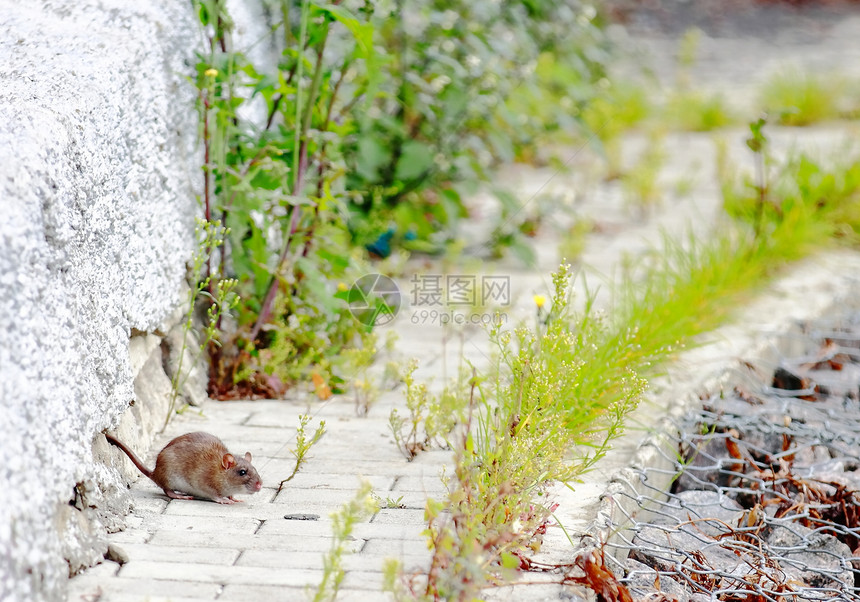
x,y
763,497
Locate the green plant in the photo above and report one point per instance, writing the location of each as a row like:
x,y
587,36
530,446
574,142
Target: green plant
x,y
574,240
613,111
431,418
219,291
574,378
358,361
277,185
535,417
696,111
388,502
455,100
303,445
799,196
641,182
799,99
690,109
343,523
373,126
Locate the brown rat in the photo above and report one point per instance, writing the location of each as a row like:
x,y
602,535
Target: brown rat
x,y
199,465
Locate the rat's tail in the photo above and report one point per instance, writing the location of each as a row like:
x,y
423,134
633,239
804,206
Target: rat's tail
x,y
134,459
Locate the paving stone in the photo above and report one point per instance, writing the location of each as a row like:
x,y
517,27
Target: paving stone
x,y
355,561
128,596
257,593
207,573
320,480
138,551
394,548
308,544
369,580
254,507
323,528
336,497
268,593
407,516
424,483
88,588
144,501
352,595
129,536
202,524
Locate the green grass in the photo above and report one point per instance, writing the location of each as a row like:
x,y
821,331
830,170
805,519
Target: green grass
x,y
618,109
692,111
798,99
561,389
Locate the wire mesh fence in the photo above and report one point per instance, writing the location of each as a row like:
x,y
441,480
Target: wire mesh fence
x,y
763,482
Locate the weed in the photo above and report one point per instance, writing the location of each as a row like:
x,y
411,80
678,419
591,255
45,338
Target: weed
x,y
303,445
690,109
343,523
389,502
617,109
358,361
799,99
641,182
695,111
431,417
372,129
574,241
536,416
407,430
796,205
567,390
219,291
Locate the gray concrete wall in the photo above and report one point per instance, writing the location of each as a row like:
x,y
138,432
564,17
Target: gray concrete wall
x,y
98,175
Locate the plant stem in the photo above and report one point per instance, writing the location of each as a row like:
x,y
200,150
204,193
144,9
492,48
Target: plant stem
x,y
762,191
271,292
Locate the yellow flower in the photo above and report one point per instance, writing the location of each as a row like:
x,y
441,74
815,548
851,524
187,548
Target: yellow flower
x,y
210,72
539,300
342,287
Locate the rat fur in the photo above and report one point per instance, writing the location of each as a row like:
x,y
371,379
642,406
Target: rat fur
x,y
198,465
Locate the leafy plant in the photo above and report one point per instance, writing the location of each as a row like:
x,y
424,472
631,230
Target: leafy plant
x,y
799,99
696,111
372,123
641,182
431,418
523,422
613,111
686,107
816,204
343,523
222,299
303,445
389,502
358,360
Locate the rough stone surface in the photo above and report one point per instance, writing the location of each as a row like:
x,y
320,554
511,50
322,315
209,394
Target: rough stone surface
x,y
97,190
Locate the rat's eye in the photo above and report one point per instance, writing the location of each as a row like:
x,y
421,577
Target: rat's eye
x,y
243,472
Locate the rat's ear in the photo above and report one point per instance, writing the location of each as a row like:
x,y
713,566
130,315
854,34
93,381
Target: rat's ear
x,y
248,457
228,461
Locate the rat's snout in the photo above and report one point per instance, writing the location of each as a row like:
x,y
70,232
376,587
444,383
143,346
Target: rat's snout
x,y
258,485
